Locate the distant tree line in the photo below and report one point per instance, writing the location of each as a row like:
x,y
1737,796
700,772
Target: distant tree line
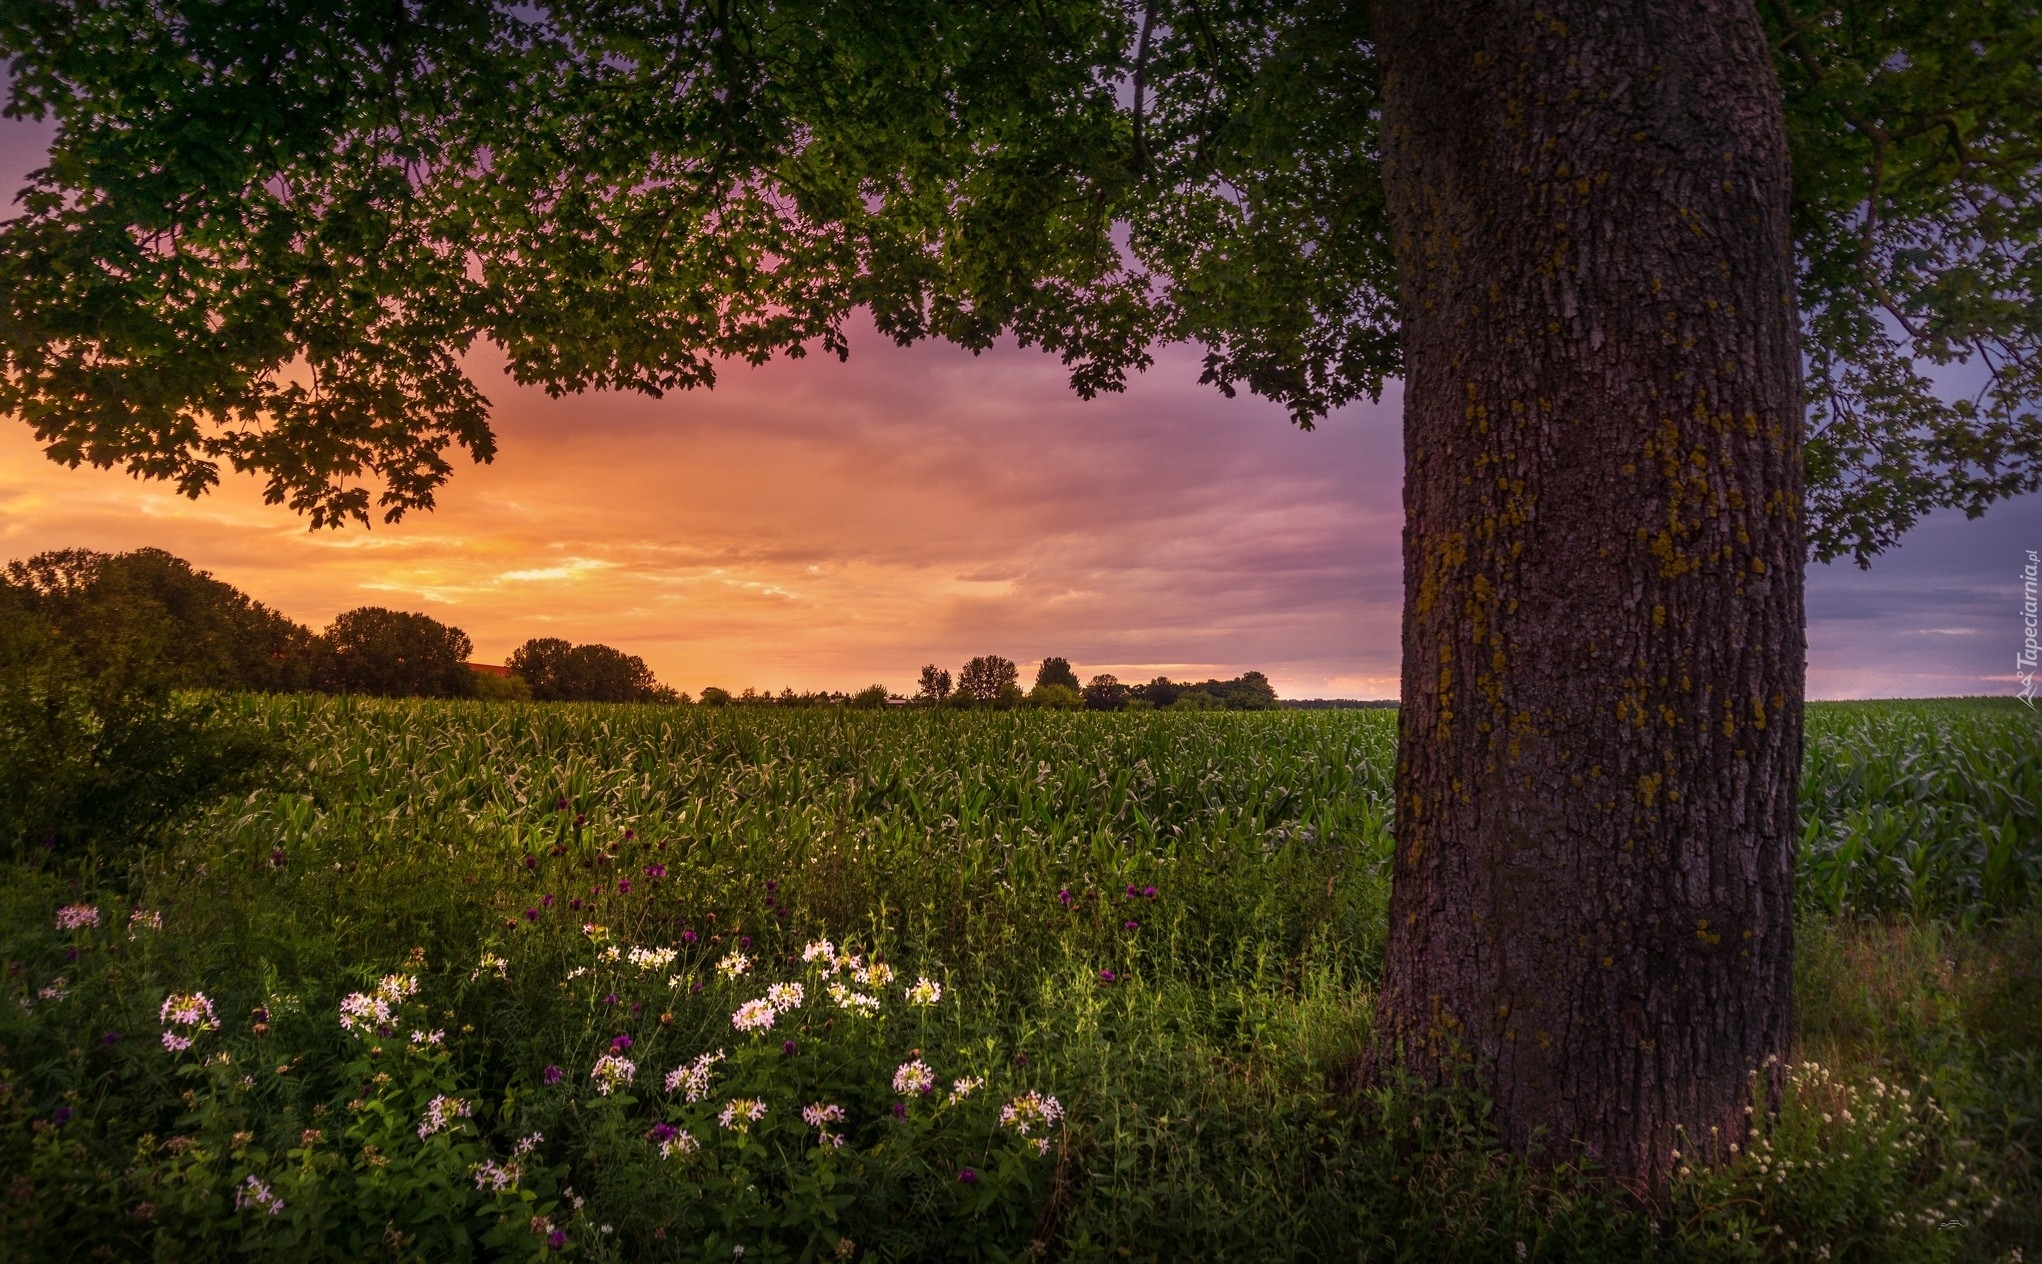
x,y
992,681
201,633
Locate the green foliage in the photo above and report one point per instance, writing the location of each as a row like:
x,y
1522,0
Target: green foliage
x,y
934,686
1056,697
204,634
560,672
1056,671
990,679
870,697
394,653
490,687
616,195
98,759
1170,922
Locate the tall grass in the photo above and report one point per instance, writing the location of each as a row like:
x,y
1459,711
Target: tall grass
x,y
1173,923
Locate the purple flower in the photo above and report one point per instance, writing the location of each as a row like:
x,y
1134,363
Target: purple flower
x,y
900,1110
630,834
551,1075
260,1014
655,871
574,903
1133,890
62,1115
277,858
546,901
636,1007
620,1042
70,954
966,1175
110,1038
624,886
557,1239
744,941
580,819
697,987
688,937
531,915
771,886
1150,892
661,1132
611,999
1130,925
560,804
531,861
1107,976
787,1047
1064,896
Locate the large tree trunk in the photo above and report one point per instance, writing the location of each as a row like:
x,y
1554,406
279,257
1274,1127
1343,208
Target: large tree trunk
x,y
1600,741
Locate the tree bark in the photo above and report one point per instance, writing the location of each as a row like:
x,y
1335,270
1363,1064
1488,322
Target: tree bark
x,y
1600,741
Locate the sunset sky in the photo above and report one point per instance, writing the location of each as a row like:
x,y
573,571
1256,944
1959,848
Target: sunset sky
x,y
822,525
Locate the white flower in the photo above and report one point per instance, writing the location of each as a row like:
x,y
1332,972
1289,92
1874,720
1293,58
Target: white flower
x,y
574,974
926,991
741,1113
57,990
1030,1110
878,974
174,1042
396,987
189,1009
819,1113
694,1076
609,954
682,1142
361,1012
651,959
857,1002
784,996
963,1088
253,1193
428,1037
494,1177
77,917
440,1112
913,1077
821,950
144,919
490,961
734,963
610,1071
754,1016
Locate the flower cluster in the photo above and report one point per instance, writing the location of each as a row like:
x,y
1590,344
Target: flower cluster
x,y
877,975
77,917
253,1193
856,1002
964,1086
433,1037
362,1012
693,1077
490,961
741,1113
611,1071
816,1115
754,1016
144,919
914,1077
821,950
672,1140
441,1112
785,996
1029,1111
734,963
926,991
498,1177
186,1009
650,959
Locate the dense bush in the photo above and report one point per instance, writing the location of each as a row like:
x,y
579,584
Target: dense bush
x,y
394,653
561,672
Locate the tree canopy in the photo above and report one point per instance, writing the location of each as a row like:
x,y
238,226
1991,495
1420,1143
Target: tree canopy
x,y
558,671
270,230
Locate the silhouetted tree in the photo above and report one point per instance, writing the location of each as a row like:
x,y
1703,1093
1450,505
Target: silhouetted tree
x,y
1056,671
394,653
871,697
989,678
1105,693
935,684
560,672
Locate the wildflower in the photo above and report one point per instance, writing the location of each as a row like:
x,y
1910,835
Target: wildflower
x,y
623,886
531,915
574,974
428,1037
734,964
174,1042
787,1047
110,1038
817,1114
740,1113
913,1077
689,937
964,1087
145,919
1041,1145
277,858
879,974
1107,976
61,1116
900,1110
189,1009
966,1175
545,901
784,996
527,1143
575,904
551,1075
771,886
1130,925
620,1043
693,1077
610,1071
754,1016
682,1142
655,871
57,990
610,999
495,1177
926,991
744,941
1149,893
77,917
856,1002
359,1011
660,1132
1064,897
1030,1110
594,930
649,959
1133,891
253,1193
441,1112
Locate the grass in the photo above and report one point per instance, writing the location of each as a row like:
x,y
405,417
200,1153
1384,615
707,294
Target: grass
x,y
1195,1038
